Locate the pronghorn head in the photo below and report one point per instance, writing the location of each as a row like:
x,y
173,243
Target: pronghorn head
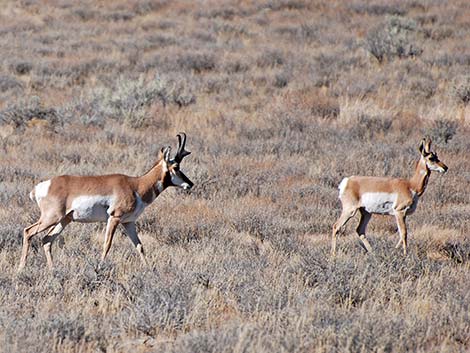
x,y
430,157
172,175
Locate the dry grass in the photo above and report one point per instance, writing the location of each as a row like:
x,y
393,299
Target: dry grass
x,y
280,100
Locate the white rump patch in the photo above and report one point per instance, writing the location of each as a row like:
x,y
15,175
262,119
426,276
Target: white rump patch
x,y
342,186
95,208
379,202
41,190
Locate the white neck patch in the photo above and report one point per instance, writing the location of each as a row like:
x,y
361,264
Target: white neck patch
x,y
160,186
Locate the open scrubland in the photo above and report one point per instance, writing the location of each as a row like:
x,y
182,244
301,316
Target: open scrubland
x,y
280,101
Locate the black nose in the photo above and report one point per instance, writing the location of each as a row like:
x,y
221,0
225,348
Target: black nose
x,y
445,168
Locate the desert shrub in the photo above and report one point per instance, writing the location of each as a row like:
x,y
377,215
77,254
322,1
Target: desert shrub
x,y
61,327
397,37
280,5
368,126
11,237
21,68
119,16
55,74
449,60
423,87
308,32
460,89
325,107
443,130
270,58
86,14
128,100
23,112
226,13
9,83
146,6
158,304
438,33
197,62
236,66
229,28
281,79
95,274
378,9
304,32
326,68
204,37
180,93
184,233
160,40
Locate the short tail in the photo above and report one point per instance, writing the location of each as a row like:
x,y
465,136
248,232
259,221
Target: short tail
x,y
32,195
342,186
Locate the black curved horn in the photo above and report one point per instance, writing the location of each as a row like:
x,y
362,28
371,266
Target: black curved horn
x,y
181,152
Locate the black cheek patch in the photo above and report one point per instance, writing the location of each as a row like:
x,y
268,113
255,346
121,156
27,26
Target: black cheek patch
x,y
167,180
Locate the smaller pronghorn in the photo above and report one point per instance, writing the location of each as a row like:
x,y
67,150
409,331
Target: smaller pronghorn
x,y
387,196
115,199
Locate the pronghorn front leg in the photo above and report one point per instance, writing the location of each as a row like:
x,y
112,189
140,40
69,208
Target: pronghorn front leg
x,y
346,215
28,233
113,222
361,229
400,217
131,232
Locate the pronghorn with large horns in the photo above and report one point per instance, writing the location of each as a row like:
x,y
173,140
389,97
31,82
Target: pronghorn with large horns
x,y
387,196
115,199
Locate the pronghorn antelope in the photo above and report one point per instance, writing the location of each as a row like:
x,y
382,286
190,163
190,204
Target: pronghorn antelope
x,y
115,199
382,195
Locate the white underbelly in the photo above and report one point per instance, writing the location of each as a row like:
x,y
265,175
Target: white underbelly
x,y
379,202
91,208
99,208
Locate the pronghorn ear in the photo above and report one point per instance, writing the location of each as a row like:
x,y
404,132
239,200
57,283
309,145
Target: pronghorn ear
x,y
164,154
423,147
427,145
160,154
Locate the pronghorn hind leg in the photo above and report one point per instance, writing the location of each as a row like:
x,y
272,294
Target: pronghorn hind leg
x,y
52,235
346,215
28,233
361,230
31,226
400,217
